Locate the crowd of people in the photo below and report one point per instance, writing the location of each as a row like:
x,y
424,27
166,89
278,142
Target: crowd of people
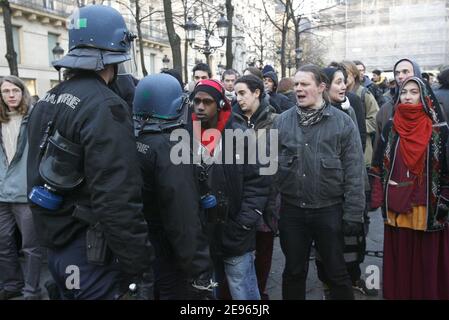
x,y
137,185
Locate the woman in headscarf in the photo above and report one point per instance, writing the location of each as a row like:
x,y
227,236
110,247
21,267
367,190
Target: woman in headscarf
x,y
410,183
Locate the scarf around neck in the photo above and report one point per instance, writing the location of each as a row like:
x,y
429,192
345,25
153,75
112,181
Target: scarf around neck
x,y
309,116
415,129
211,141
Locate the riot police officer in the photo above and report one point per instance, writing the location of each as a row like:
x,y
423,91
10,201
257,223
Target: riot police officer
x,y
83,178
183,268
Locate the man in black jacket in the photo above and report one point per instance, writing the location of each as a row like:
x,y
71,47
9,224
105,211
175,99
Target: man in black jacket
x,y
233,192
183,269
280,102
82,167
254,112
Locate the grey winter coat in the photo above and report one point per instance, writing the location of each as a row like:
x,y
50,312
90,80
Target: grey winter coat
x,y
321,165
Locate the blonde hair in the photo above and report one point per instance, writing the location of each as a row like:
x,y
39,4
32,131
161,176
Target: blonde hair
x,y
24,103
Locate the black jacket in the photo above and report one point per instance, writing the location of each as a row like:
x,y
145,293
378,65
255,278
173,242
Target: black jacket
x,y
93,116
125,86
171,204
263,118
245,191
360,113
280,102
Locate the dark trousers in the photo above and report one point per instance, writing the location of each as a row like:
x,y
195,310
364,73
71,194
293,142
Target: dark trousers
x,y
353,269
12,277
264,254
298,229
171,283
95,282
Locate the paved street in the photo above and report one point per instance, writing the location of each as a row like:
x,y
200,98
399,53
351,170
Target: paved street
x,y
314,287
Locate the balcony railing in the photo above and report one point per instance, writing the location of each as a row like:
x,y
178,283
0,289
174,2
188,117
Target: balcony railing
x,y
58,7
64,8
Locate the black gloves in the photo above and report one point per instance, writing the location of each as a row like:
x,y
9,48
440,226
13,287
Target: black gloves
x,y
351,228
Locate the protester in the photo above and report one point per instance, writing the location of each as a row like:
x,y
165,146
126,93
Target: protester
x,y
239,190
320,179
15,106
410,183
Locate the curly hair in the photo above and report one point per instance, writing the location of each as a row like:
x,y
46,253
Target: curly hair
x,y
24,103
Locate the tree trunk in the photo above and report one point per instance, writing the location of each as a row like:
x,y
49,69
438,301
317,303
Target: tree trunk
x,y
229,15
140,37
11,55
186,63
296,23
283,45
207,55
175,40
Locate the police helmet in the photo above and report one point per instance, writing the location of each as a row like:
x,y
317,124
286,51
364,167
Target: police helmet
x,y
100,27
159,96
98,36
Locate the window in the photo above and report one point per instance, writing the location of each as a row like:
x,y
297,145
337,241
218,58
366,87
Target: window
x,y
152,63
52,39
16,41
30,84
49,4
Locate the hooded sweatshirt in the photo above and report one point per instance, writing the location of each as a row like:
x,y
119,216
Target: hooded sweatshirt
x,y
386,110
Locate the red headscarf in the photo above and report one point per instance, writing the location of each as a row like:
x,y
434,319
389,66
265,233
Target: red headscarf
x,y
414,127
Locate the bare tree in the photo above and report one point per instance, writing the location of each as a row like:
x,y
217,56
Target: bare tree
x,y
258,35
11,55
181,11
281,25
173,37
229,15
302,25
136,12
198,10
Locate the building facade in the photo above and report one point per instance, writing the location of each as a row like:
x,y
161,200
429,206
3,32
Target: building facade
x,y
379,32
39,24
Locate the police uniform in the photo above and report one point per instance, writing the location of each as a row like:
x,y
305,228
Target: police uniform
x,y
170,194
107,196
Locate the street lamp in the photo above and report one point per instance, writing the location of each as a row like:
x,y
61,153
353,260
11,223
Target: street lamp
x,y
298,53
58,52
165,62
222,26
190,28
206,49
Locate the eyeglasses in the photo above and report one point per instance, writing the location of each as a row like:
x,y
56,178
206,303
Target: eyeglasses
x,y
206,102
15,91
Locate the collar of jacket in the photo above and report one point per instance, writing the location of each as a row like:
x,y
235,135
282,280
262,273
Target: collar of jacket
x,y
261,113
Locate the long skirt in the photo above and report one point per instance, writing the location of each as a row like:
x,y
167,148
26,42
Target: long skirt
x,y
416,264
